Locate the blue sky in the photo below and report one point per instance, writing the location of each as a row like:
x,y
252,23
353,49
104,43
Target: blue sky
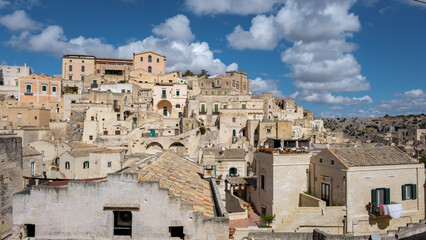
x,y
349,58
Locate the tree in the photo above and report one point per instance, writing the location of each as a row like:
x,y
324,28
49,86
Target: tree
x,y
268,219
188,73
203,73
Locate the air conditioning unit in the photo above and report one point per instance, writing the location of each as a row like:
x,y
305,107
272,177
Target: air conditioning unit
x,y
124,218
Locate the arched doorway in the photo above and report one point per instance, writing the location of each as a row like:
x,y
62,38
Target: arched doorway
x,y
179,148
164,107
154,148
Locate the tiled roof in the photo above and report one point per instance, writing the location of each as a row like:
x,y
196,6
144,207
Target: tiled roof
x,y
180,176
372,156
26,151
229,153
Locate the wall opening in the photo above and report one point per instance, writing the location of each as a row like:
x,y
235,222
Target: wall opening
x,y
177,232
123,223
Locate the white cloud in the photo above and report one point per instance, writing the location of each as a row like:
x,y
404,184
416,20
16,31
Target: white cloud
x,y
337,108
181,53
175,28
325,66
18,21
259,86
241,7
415,93
3,3
232,67
328,98
262,35
320,60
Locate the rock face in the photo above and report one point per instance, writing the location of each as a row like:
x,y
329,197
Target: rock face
x,y
11,180
74,131
367,128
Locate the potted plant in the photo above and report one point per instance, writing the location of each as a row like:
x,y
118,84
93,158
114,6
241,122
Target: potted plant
x,y
268,219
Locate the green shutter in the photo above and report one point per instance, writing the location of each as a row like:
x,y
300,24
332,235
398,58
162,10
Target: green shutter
x,y
373,196
414,192
403,190
387,196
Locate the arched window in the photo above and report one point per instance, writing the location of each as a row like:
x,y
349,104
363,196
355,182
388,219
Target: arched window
x,y
149,69
56,160
149,58
86,164
67,165
158,60
233,172
244,87
233,83
238,86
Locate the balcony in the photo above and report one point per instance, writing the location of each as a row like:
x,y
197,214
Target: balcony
x,y
216,113
202,113
28,93
163,96
381,211
94,85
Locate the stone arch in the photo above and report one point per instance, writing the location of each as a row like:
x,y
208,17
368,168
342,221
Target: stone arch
x,y
179,148
154,148
164,105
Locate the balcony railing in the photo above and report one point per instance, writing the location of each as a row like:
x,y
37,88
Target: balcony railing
x,y
378,210
163,96
203,113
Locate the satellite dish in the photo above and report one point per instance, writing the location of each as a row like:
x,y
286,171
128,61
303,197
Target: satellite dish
x,y
375,236
223,149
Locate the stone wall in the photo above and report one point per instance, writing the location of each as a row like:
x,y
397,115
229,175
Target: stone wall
x,y
84,210
11,180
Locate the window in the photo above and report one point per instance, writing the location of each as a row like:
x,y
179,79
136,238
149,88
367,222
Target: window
x,y
18,70
69,77
30,230
92,118
177,92
28,89
320,160
149,69
227,83
409,191
325,193
234,132
56,160
243,106
238,86
35,117
117,132
123,223
180,114
158,60
44,88
19,117
82,68
86,164
262,182
233,119
263,211
82,77
244,87
380,196
216,107
105,132
149,58
233,172
268,130
225,106
203,108
109,164
90,137
54,89
141,59
4,118
233,83
123,90
177,105
176,232
42,153
332,162
32,168
67,165
70,68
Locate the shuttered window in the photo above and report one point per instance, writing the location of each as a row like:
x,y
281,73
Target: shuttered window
x,y
380,196
409,191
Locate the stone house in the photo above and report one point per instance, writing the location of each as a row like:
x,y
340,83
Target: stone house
x,y
88,162
39,89
169,100
364,178
32,163
173,203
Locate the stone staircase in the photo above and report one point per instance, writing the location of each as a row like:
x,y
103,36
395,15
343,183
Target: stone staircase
x,y
412,231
